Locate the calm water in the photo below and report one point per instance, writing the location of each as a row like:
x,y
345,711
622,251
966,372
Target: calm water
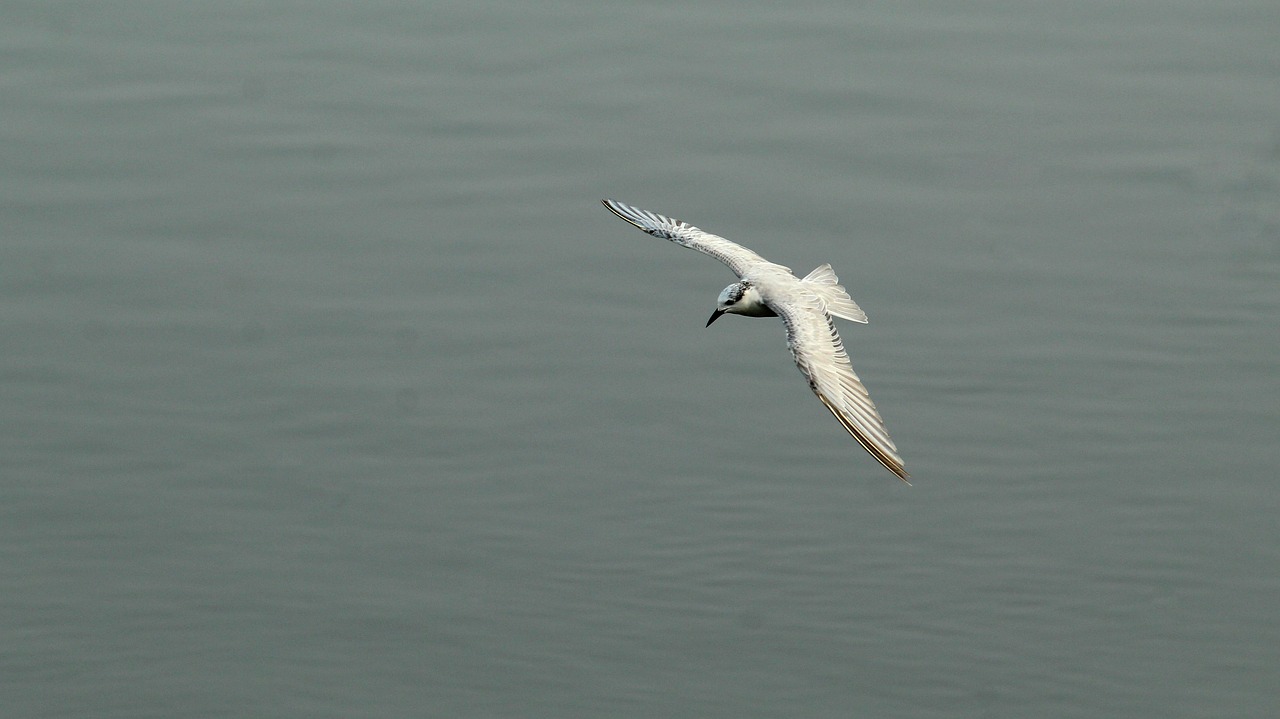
x,y
329,389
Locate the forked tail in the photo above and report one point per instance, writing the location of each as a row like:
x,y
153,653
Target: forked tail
x,y
835,300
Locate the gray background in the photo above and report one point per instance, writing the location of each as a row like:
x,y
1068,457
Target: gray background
x,y
328,388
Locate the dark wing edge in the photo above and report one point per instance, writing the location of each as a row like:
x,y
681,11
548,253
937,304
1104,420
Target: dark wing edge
x,y
889,463
738,258
651,222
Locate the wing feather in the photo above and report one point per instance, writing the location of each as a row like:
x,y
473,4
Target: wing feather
x,y
738,258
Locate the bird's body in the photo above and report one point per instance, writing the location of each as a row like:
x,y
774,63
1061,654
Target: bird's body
x,y
806,306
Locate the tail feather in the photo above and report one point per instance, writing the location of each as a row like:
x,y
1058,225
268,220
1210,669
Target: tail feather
x,y
837,302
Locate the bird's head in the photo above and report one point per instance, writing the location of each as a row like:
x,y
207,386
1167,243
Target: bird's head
x,y
739,298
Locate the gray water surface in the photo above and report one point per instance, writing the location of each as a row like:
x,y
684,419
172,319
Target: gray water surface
x,y
330,390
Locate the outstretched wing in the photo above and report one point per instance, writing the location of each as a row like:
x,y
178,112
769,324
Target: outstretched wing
x,y
738,258
819,353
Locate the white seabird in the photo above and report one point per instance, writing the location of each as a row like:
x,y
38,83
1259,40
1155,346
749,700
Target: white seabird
x,y
806,307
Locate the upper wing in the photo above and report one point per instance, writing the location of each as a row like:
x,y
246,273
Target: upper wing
x,y
738,258
819,353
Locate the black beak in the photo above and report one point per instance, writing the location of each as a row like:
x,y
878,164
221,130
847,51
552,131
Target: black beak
x,y
714,316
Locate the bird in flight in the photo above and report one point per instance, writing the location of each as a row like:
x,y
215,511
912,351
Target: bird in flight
x,y
806,306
